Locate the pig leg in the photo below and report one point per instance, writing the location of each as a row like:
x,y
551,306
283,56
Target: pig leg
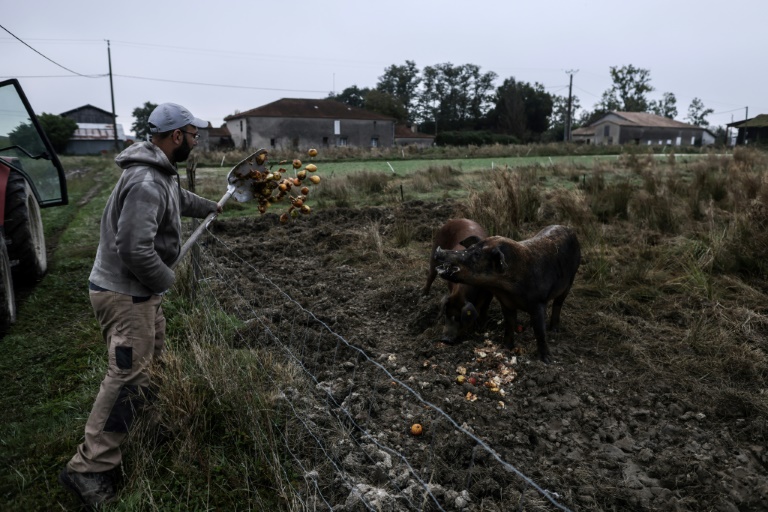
x,y
482,312
510,326
430,278
557,305
538,319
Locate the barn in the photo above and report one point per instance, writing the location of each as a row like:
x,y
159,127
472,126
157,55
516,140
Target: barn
x,y
642,128
291,123
95,131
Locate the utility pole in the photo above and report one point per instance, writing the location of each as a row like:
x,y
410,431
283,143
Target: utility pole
x,y
567,130
112,93
746,130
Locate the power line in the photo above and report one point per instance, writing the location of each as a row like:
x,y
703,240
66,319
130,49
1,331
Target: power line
x,y
230,86
48,58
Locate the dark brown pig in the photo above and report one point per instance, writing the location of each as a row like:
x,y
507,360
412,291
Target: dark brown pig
x,y
522,275
464,306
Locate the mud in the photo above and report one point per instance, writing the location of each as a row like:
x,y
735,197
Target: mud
x,y
595,428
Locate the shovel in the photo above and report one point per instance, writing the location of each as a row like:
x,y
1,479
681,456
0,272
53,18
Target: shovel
x,y
239,181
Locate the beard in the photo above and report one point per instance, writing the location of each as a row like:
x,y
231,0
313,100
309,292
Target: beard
x,y
181,153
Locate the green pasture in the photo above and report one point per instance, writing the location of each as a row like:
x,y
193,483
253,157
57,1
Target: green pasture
x,y
405,167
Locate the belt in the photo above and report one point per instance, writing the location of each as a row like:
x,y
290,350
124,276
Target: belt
x,y
136,299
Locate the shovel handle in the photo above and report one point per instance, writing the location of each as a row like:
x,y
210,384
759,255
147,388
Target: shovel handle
x,y
199,231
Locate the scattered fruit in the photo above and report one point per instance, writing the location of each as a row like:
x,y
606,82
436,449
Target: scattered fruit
x,y
461,379
416,429
269,187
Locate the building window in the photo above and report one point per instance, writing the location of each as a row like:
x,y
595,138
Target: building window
x,y
374,142
272,142
337,127
693,141
325,141
606,131
295,142
241,125
342,141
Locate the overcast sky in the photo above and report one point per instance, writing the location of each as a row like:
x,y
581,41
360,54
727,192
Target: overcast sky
x,y
219,57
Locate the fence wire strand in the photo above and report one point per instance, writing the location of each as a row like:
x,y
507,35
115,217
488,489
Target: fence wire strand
x,y
273,306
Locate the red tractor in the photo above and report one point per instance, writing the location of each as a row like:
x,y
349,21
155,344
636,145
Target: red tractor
x,y
31,178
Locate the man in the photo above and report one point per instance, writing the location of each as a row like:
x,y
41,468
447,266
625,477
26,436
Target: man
x,y
140,238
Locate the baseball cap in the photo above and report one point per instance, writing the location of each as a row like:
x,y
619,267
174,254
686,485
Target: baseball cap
x,y
170,116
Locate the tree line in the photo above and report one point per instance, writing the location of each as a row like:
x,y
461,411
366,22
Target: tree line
x,y
444,99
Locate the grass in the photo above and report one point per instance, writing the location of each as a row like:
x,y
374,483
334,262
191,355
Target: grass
x,y
653,230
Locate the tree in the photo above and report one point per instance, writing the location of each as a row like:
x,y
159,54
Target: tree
x,y
385,104
141,126
559,117
630,87
352,96
454,97
58,129
522,109
402,82
666,107
697,113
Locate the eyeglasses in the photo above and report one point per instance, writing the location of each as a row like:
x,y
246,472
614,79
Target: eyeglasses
x,y
195,136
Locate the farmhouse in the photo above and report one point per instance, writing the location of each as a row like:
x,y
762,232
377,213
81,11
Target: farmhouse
x,y
293,123
408,135
217,138
95,131
642,128
752,131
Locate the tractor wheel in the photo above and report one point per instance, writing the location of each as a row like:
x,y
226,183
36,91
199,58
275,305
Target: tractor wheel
x,y
7,298
24,229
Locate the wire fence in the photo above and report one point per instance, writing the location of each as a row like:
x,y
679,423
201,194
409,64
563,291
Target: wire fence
x,y
341,439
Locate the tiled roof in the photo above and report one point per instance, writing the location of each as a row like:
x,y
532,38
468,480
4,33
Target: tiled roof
x,y
760,121
294,107
644,119
404,132
584,130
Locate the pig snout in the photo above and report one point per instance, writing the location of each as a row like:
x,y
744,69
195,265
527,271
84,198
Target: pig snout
x,y
445,268
458,322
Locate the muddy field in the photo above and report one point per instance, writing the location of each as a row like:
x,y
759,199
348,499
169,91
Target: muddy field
x,y
605,427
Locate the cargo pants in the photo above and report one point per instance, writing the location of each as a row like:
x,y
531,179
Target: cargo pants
x,y
134,331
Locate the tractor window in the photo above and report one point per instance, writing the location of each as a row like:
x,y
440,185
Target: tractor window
x,y
25,147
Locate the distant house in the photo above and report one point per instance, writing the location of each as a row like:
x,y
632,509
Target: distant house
x,y
408,135
300,123
218,138
751,131
643,129
95,131
583,135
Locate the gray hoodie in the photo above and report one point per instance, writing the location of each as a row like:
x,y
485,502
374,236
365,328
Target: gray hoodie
x,y
141,224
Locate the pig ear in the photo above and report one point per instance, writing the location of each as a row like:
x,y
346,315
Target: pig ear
x,y
499,260
469,241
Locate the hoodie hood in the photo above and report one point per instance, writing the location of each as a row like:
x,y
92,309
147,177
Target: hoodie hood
x,y
145,153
